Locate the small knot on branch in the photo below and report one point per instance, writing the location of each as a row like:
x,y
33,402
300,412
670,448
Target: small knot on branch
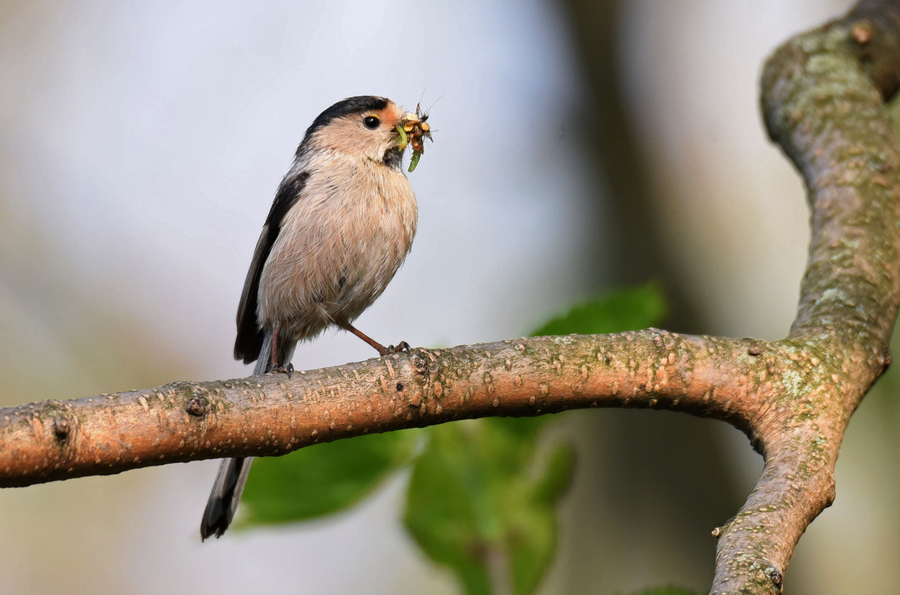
x,y
61,430
196,406
775,576
419,364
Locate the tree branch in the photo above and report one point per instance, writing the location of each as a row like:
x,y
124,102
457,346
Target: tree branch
x,y
823,96
270,415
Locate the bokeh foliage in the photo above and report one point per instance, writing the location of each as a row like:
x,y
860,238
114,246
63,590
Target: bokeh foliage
x,y
482,495
324,478
479,502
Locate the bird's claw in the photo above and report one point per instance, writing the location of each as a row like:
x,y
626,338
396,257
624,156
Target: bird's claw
x,y
288,369
391,349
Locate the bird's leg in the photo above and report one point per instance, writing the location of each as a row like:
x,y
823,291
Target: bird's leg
x,y
275,347
288,369
381,349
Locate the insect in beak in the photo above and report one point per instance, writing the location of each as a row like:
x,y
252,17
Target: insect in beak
x,y
412,130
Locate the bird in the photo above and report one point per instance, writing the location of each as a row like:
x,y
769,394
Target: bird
x,y
341,225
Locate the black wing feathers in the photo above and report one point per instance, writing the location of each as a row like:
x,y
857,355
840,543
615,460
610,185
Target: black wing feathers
x,y
249,336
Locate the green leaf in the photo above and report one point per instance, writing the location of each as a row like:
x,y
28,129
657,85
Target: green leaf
x,y
622,310
481,503
323,479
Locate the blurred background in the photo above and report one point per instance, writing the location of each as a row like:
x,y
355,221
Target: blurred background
x,y
578,146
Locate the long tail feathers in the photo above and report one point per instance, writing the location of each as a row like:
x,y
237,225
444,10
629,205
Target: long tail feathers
x,y
226,492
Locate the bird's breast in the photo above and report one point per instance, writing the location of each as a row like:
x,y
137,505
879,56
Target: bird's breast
x,y
338,247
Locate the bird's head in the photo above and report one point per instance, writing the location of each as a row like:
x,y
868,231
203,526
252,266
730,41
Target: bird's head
x,y
363,126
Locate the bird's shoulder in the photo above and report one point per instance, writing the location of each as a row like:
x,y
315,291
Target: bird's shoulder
x,y
289,192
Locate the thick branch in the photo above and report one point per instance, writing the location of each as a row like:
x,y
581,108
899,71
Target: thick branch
x,y
823,103
271,415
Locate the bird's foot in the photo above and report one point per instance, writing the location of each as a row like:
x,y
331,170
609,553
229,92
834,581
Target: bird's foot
x,y
288,369
391,349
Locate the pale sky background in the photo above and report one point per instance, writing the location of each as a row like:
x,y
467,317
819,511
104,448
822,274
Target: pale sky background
x,y
140,148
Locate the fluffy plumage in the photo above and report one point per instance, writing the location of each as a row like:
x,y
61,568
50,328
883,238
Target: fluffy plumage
x,y
342,223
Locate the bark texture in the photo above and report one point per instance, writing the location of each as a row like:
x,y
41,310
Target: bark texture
x,y
823,100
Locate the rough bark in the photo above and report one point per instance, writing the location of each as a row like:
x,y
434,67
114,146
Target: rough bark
x,y
823,101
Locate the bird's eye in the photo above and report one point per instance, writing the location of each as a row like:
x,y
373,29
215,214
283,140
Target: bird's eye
x,y
371,122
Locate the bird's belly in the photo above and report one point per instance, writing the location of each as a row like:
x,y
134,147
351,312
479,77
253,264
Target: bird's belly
x,y
333,258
